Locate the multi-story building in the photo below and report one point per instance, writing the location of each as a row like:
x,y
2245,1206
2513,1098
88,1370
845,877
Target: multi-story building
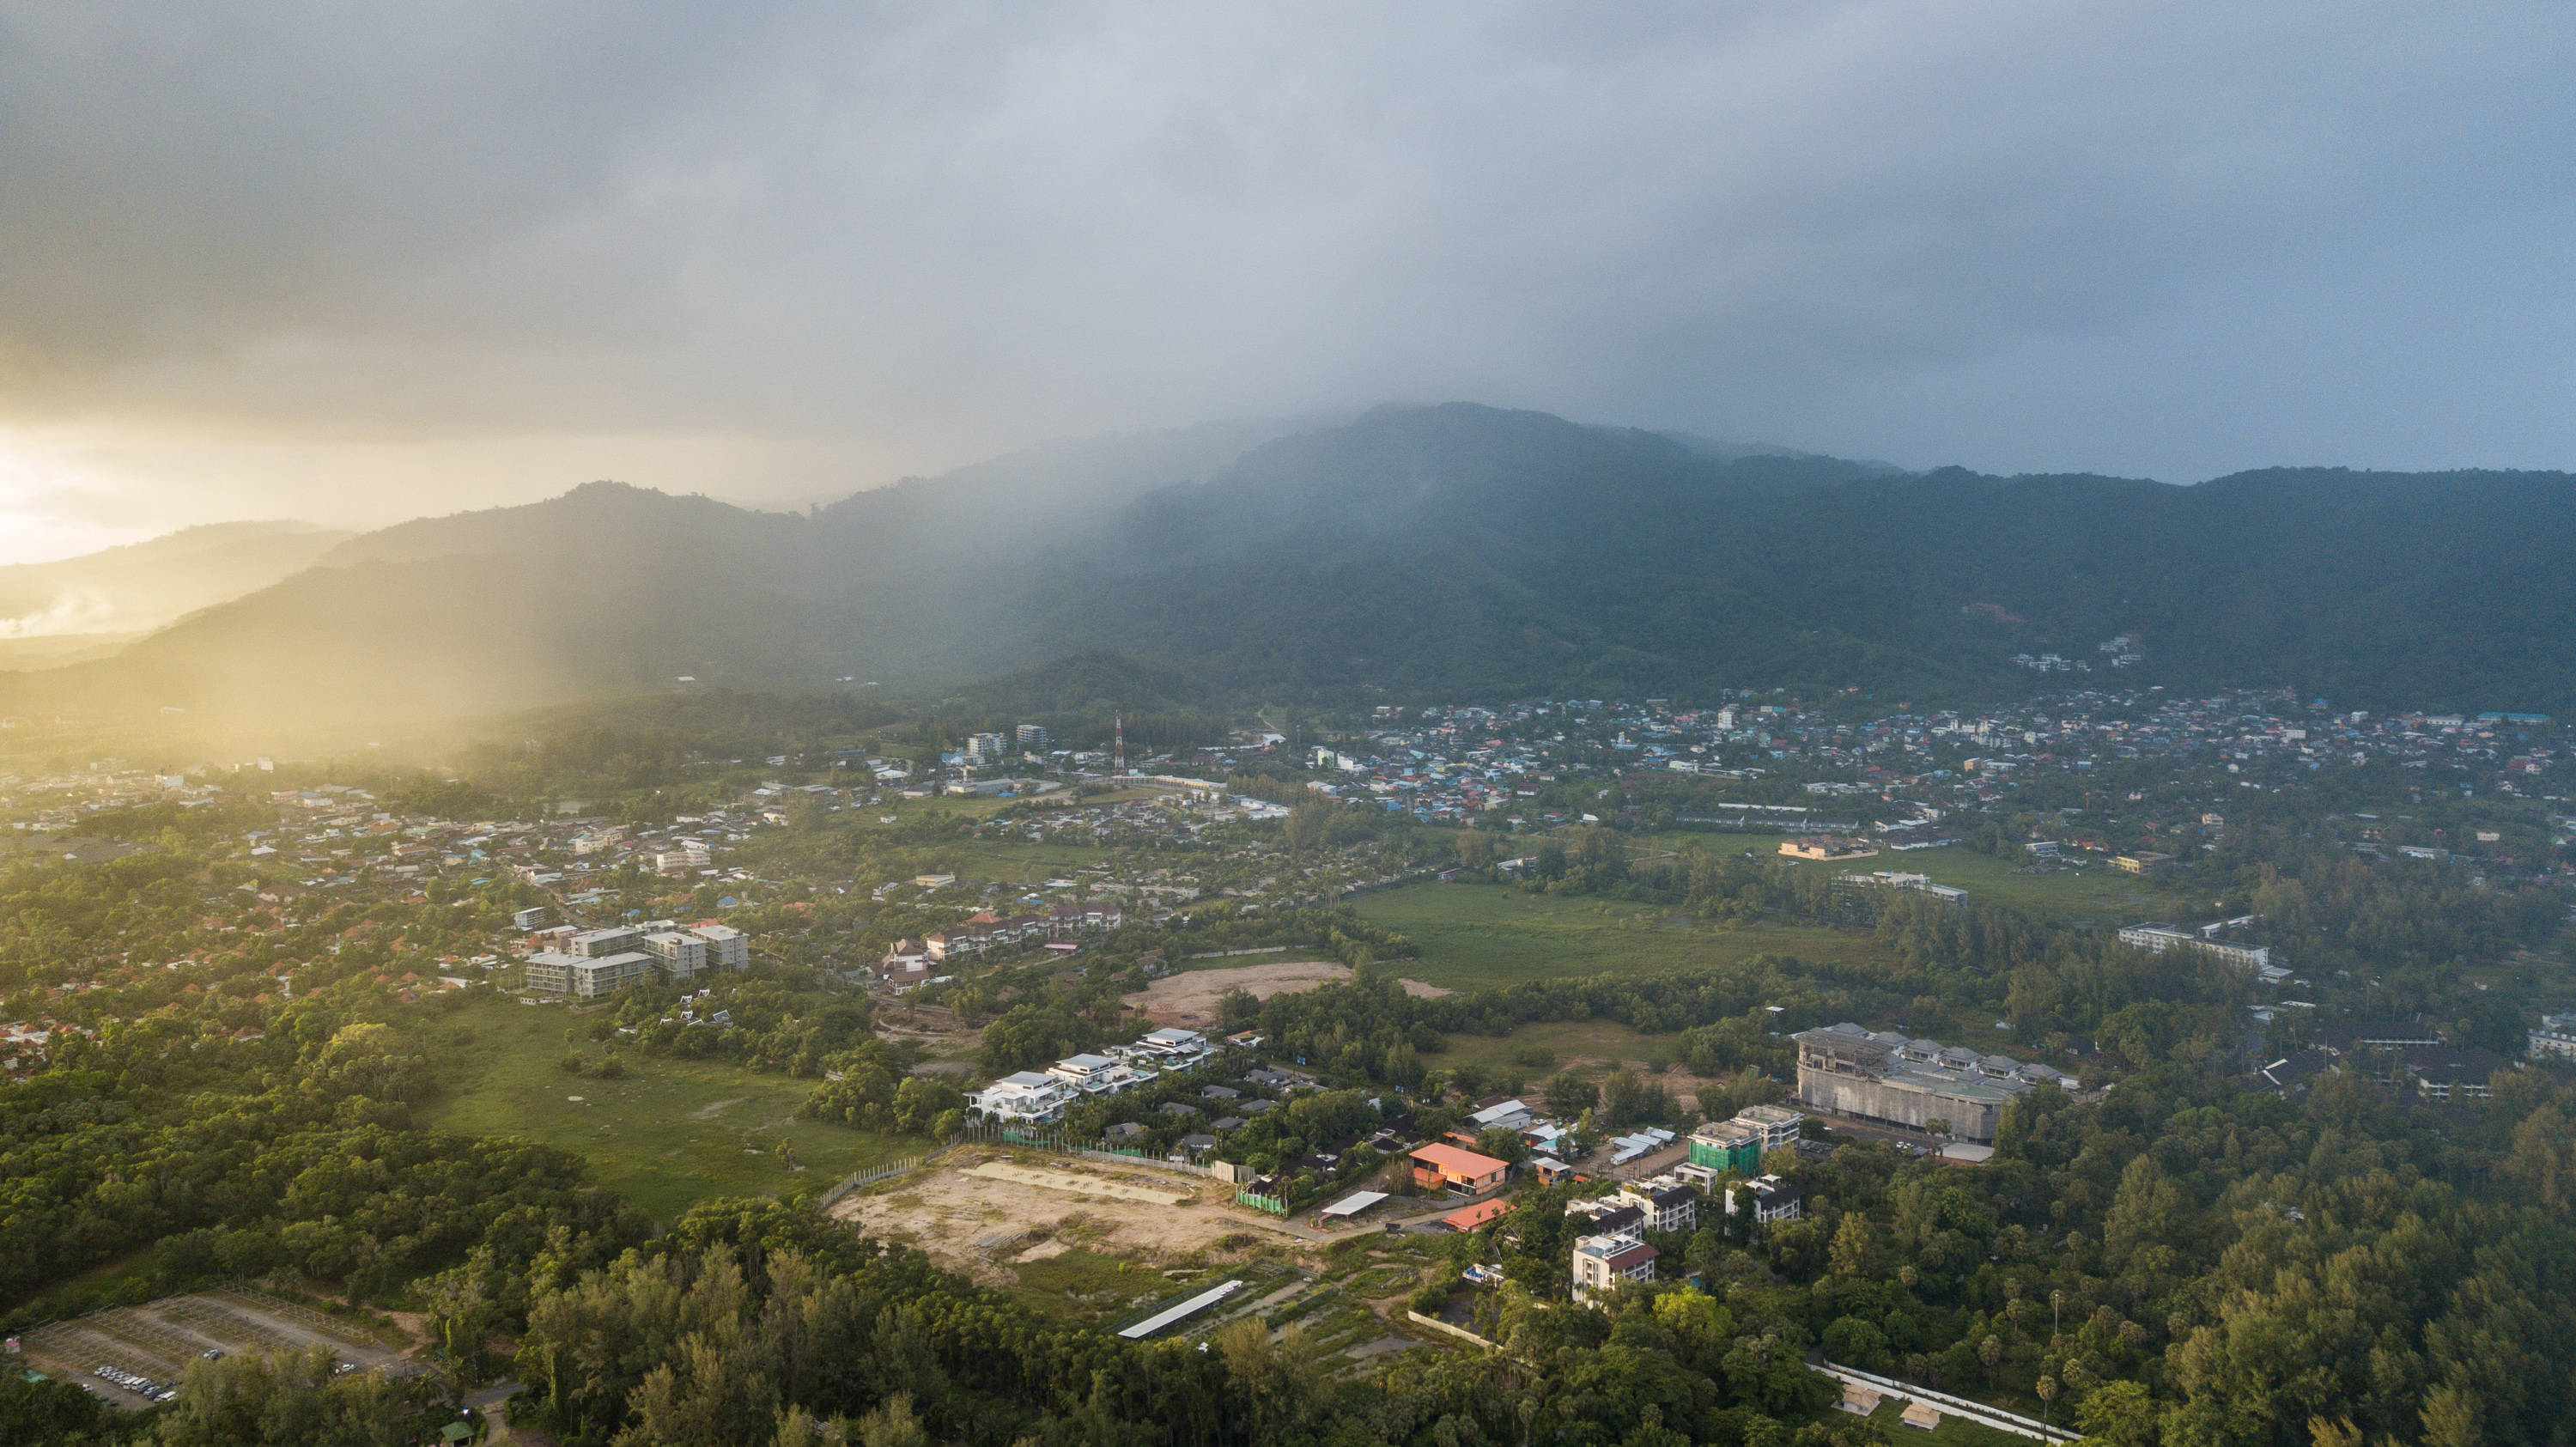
x,y
1602,1262
985,749
1169,1048
592,944
1025,1095
1666,1203
1032,738
1769,1198
1845,1070
2158,938
2554,1038
1780,1126
587,977
1093,1074
727,948
1727,1147
682,955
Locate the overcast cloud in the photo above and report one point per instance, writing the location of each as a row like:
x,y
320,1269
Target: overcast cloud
x,y
353,262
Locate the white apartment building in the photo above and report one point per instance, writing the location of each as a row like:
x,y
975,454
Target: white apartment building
x,y
1093,1074
1669,1203
1601,1262
2158,938
585,977
682,955
1023,1095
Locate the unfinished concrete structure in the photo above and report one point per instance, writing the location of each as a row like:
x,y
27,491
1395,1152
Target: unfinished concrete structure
x,y
1846,1070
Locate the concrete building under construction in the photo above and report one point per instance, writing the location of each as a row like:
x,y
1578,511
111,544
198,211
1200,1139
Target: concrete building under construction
x,y
1848,1071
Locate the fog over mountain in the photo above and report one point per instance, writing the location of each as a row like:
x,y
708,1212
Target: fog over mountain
x,y
800,251
1452,551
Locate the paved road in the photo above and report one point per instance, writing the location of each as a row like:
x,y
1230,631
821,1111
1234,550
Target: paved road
x,y
1977,1412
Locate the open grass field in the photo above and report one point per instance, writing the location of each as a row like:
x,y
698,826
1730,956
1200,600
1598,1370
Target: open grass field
x,y
1024,862
669,1134
1544,1047
2094,894
1476,935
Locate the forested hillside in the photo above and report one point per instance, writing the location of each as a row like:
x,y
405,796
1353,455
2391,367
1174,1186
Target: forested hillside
x,y
1448,551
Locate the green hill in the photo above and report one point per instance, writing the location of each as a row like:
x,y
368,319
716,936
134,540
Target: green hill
x,y
1455,551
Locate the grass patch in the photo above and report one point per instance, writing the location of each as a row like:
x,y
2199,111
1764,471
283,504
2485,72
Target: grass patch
x,y
1574,1044
669,1134
2096,894
1088,1285
1477,935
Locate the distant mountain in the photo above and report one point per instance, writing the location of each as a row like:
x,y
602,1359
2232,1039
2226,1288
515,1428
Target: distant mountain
x,y
141,586
1455,551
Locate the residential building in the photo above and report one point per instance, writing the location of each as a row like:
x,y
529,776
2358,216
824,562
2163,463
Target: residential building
x,y
1769,1198
1023,1095
683,956
585,977
2142,862
1171,1048
1780,1126
1456,1169
1827,846
1727,1147
1602,1262
1032,738
727,948
1845,1070
2442,1073
1093,1074
2554,1038
2158,938
592,944
531,918
1668,1202
985,749
1889,880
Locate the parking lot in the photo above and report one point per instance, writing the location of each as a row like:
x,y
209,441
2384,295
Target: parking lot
x,y
129,1354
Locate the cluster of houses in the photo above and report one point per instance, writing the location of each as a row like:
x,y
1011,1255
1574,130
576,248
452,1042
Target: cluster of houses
x,y
1724,1156
912,961
1043,1096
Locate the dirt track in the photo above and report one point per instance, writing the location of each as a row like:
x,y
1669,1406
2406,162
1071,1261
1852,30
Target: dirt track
x,y
1190,998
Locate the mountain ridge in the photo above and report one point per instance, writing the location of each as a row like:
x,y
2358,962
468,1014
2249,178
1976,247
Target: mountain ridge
x,y
1454,550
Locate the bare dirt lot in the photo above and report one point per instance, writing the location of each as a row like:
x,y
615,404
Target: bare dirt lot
x,y
158,1340
1110,1187
1189,998
976,1221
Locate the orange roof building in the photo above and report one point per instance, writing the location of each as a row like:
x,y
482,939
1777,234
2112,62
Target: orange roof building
x,y
1460,1170
1477,1214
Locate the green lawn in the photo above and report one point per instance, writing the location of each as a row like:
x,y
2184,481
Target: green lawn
x,y
1475,935
2095,894
1567,1043
670,1133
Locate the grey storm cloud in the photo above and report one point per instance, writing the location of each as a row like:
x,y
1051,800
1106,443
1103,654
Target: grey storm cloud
x,y
2168,238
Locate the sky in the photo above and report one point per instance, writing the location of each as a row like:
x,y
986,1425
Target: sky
x,y
358,263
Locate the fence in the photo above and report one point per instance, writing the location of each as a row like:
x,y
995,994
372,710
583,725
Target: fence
x,y
1049,1139
882,1171
1271,1204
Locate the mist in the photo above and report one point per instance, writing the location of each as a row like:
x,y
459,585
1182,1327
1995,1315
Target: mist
x,y
357,265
